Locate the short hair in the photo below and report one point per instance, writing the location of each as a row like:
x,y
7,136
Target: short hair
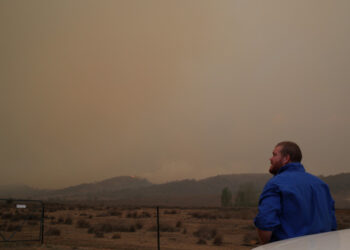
x,y
292,149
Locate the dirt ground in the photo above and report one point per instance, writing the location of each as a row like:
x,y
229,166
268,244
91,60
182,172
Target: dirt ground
x,y
111,227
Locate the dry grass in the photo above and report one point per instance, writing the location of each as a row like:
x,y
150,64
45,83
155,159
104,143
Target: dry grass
x,y
53,231
250,239
81,223
343,218
101,227
206,232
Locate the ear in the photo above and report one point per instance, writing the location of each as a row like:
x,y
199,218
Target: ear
x,y
286,159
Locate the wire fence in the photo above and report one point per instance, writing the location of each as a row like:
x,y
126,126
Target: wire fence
x,y
21,220
120,227
99,225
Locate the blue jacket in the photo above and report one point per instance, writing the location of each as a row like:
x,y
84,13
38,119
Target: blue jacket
x,y
295,203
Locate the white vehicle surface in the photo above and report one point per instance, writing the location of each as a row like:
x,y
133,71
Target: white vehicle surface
x,y
335,240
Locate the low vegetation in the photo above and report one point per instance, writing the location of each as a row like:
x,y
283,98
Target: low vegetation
x,y
164,227
81,223
14,228
117,227
53,231
112,227
204,215
205,232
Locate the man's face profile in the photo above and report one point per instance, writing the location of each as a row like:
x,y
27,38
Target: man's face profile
x,y
277,160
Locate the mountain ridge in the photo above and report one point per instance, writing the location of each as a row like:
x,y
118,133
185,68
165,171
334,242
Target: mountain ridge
x,y
128,190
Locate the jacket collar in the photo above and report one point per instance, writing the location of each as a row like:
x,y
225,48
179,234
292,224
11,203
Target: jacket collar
x,y
292,166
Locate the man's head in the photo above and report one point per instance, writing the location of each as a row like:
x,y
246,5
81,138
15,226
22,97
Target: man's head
x,y
284,153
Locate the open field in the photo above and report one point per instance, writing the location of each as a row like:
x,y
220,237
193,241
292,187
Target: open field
x,y
113,227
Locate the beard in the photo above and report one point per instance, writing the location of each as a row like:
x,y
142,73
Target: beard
x,y
273,170
275,167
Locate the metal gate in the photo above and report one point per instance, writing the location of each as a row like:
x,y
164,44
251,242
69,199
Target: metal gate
x,y
21,220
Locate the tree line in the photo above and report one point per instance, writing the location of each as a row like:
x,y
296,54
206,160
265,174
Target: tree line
x,y
246,196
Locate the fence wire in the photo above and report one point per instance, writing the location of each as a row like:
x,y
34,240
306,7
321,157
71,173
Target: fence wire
x,y
21,220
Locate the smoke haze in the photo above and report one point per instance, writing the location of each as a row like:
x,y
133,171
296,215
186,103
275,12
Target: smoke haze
x,y
170,90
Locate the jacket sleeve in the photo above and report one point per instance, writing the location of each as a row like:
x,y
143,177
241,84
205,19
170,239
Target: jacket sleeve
x,y
268,216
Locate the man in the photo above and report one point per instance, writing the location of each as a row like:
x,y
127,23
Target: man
x,y
293,202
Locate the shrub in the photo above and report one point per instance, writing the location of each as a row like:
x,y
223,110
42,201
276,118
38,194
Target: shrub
x,y
7,216
14,228
246,214
131,215
68,221
204,215
201,241
17,217
91,230
116,236
218,240
145,214
53,232
163,227
179,223
83,223
346,220
102,215
205,232
31,217
227,214
132,228
250,239
139,225
60,220
343,222
341,225
115,213
82,207
102,227
32,223
99,234
249,227
108,228
170,211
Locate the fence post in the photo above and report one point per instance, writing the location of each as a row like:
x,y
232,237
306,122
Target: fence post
x,y
158,235
42,223
31,212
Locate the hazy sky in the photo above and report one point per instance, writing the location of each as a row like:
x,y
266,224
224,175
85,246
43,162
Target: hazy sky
x,y
170,89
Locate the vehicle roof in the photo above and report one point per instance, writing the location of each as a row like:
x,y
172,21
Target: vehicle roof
x,y
335,240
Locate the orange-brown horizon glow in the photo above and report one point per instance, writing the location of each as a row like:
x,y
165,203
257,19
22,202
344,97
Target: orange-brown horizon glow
x,y
169,90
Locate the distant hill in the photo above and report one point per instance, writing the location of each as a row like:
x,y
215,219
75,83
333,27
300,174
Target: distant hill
x,y
126,190
102,189
339,183
206,192
340,188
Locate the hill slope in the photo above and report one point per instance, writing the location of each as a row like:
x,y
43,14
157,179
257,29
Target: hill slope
x,y
126,190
